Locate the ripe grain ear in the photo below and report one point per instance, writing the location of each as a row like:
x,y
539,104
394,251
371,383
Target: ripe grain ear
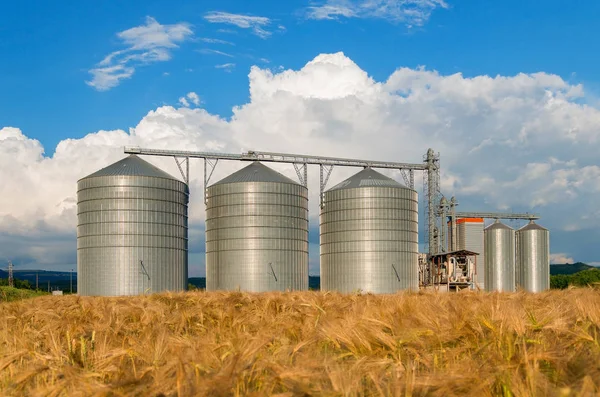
x,y
303,343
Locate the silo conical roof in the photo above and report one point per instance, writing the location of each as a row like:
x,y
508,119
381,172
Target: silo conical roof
x,y
256,172
368,178
132,165
532,226
498,225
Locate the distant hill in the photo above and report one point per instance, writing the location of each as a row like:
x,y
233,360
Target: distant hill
x,y
198,282
45,275
52,279
61,280
569,268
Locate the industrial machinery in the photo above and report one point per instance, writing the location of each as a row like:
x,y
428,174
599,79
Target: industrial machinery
x,y
257,232
452,271
369,235
132,231
499,257
533,258
464,231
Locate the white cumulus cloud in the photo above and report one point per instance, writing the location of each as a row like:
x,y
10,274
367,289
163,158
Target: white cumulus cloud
x,y
183,101
561,259
192,96
525,142
146,44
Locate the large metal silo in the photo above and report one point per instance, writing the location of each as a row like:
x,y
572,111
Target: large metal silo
x,y
499,247
257,232
132,231
369,235
533,258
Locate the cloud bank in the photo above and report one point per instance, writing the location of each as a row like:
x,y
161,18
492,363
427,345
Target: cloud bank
x,y
522,143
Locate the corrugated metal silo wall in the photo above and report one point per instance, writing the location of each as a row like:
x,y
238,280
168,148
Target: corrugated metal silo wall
x,y
123,220
533,260
369,240
499,259
257,237
470,237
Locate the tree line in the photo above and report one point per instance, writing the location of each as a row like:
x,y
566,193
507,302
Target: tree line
x,y
20,284
583,278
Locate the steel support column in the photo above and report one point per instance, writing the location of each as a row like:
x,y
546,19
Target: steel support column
x,y
302,173
212,163
324,174
184,174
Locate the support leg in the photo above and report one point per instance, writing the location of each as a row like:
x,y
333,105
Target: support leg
x,y
209,168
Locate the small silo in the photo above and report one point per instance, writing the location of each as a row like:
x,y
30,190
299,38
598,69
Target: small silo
x,y
257,232
499,247
132,230
369,235
533,258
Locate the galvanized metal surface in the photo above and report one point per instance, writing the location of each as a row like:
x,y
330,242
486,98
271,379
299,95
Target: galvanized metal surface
x,y
499,257
469,236
533,258
257,232
256,172
369,235
132,232
131,166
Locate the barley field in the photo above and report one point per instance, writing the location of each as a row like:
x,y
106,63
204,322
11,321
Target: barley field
x,y
305,343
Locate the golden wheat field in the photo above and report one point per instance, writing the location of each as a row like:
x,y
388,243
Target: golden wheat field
x,y
305,343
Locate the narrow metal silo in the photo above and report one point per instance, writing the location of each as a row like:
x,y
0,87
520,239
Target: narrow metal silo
x,y
499,247
369,235
469,236
257,232
132,230
533,258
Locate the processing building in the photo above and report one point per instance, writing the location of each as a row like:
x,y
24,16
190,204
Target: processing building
x,y
469,236
369,235
257,232
132,230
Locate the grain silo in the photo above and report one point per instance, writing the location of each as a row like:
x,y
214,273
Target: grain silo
x,y
499,247
369,235
469,236
257,232
132,230
533,258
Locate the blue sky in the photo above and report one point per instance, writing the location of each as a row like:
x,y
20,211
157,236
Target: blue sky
x,y
49,47
507,91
